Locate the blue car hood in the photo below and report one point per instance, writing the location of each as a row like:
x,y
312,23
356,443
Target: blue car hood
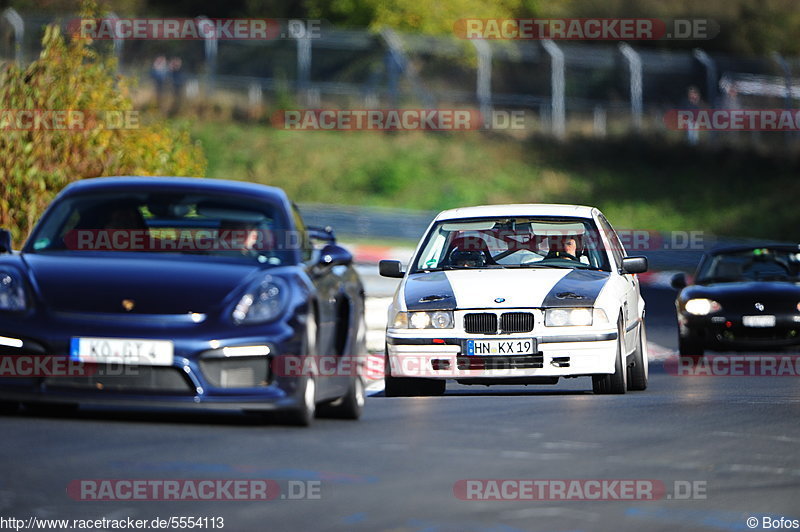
x,y
162,285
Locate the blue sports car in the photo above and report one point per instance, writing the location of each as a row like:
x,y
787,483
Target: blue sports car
x,y
181,292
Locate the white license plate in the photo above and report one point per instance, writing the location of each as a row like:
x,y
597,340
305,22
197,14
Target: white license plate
x,y
519,346
133,351
758,321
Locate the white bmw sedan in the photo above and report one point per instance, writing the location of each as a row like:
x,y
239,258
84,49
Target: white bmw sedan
x,y
516,294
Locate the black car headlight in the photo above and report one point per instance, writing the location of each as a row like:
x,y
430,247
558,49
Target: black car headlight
x,y
12,292
701,306
264,302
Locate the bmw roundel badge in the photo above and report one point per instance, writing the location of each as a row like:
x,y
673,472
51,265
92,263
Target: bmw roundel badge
x,y
499,300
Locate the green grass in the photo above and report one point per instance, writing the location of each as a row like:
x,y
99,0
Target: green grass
x,y
654,184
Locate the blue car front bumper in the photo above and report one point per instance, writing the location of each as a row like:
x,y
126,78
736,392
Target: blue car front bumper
x,y
201,375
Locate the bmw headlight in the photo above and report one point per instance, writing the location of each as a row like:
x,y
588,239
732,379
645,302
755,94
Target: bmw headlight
x,y
439,319
263,302
12,293
701,306
571,317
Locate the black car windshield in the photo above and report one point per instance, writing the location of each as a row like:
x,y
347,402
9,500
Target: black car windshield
x,y
760,264
166,222
529,242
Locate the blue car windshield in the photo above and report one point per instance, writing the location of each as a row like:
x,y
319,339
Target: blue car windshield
x,y
169,223
760,264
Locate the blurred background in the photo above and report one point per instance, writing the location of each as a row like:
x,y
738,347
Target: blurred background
x,y
593,129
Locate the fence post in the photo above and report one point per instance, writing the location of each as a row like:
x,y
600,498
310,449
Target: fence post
x,y
13,18
210,42
557,120
117,39
787,77
303,66
398,57
711,75
635,72
599,121
394,62
483,85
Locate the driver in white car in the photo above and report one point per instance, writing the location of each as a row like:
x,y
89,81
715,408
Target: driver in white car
x,y
565,247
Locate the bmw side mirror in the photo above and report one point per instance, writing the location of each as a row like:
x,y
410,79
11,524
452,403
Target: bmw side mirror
x,y
634,265
5,241
678,281
391,268
333,255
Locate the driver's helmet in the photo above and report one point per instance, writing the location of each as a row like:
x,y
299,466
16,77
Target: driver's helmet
x,y
466,258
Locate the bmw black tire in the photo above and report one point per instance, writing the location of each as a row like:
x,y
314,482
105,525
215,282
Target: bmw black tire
x,y
638,372
615,383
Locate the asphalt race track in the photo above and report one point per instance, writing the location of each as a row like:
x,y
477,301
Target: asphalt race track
x,y
722,448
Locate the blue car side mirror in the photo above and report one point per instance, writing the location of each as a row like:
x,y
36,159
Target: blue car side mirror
x,y
334,255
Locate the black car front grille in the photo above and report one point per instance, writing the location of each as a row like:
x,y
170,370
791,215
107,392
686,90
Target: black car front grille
x,y
500,362
125,379
480,323
510,322
516,322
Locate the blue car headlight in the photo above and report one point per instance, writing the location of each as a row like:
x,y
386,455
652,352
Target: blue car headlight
x,y
12,292
263,302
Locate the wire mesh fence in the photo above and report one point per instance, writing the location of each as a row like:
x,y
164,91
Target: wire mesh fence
x,y
598,88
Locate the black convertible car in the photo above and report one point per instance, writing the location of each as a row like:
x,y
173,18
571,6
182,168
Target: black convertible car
x,y
181,292
744,297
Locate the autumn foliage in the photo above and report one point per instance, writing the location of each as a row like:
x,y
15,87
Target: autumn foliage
x,y
39,158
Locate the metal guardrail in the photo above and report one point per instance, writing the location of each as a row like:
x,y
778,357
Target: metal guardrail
x,y
374,223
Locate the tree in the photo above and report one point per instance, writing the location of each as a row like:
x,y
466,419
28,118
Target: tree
x,y
37,160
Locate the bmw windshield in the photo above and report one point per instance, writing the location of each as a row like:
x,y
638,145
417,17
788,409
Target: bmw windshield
x,y
523,242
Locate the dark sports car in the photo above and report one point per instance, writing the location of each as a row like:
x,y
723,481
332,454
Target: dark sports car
x,y
181,292
744,297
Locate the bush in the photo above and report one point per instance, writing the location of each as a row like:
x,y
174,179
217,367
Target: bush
x,y
37,162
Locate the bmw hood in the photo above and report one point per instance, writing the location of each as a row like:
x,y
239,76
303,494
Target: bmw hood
x,y
503,288
163,286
